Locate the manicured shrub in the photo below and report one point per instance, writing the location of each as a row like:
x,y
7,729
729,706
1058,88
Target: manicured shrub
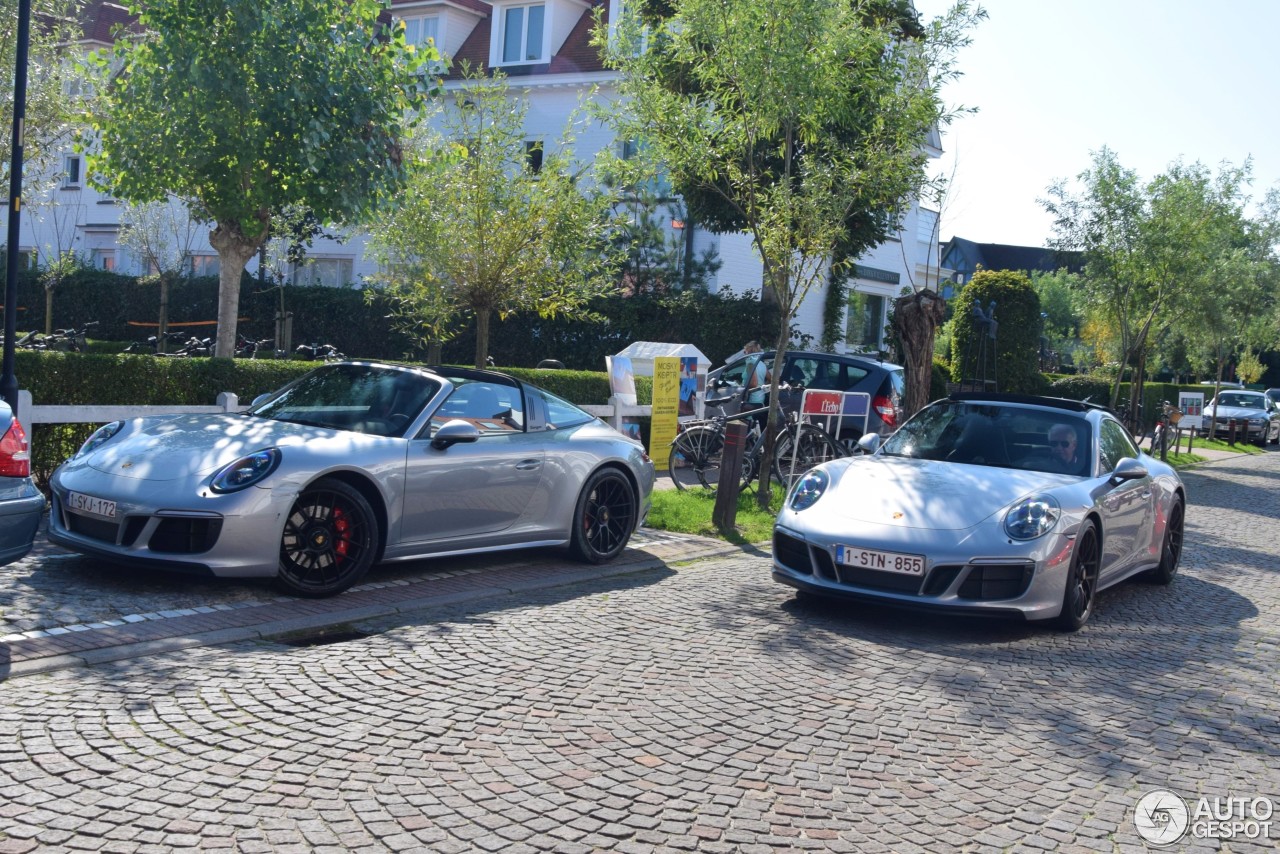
x,y
1017,345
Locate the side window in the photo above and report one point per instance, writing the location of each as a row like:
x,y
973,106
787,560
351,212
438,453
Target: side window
x,y
737,374
1114,445
800,372
561,413
853,376
493,409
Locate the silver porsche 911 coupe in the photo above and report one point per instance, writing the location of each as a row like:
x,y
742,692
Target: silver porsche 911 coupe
x,y
350,465
988,504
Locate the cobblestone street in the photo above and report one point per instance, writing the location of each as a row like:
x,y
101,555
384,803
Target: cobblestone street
x,y
695,706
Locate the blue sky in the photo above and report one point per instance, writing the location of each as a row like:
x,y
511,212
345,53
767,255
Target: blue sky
x,y
1153,80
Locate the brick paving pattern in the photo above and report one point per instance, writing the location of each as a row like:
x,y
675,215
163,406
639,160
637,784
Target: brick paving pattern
x,y
687,707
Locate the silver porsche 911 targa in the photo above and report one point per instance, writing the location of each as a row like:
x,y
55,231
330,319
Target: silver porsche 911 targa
x,y
350,465
986,504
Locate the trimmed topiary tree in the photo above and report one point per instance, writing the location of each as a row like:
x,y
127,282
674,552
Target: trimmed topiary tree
x,y
1017,344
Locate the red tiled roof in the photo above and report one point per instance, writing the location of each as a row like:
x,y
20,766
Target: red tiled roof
x,y
100,20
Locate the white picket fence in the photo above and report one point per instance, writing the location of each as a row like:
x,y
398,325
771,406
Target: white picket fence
x,y
29,413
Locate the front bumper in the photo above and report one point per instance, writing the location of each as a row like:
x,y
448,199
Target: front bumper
x,y
232,536
1026,586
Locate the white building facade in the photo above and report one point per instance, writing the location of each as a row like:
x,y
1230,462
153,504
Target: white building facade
x,y
544,48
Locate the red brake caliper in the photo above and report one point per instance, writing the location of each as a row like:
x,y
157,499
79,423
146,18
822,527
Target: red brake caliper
x,y
342,528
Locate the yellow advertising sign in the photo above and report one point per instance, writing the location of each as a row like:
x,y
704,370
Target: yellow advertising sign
x,y
666,406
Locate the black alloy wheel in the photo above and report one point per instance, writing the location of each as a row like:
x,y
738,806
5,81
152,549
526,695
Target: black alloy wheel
x,y
604,517
1082,579
329,542
1171,551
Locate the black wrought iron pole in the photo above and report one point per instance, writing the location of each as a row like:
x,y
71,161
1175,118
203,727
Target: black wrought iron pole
x,y
8,379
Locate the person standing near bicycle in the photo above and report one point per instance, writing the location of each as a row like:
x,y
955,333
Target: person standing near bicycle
x,y
757,381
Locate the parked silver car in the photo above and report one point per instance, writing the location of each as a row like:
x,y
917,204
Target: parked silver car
x,y
999,505
353,464
1257,417
21,504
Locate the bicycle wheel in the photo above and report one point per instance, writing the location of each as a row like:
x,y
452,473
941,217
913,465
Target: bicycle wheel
x,y
793,456
695,458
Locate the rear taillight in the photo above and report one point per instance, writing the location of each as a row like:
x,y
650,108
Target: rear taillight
x,y
15,459
887,410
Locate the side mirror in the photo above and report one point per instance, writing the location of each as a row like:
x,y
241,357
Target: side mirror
x,y
453,433
1128,469
869,443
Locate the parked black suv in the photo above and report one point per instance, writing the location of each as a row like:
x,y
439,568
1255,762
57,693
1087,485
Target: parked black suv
x,y
883,381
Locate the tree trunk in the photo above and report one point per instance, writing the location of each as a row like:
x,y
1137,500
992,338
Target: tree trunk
x,y
916,318
235,248
163,326
434,352
482,337
48,310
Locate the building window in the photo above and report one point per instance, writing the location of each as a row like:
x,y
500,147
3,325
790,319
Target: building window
x,y
522,28
421,30
104,259
533,155
72,167
202,265
865,324
328,272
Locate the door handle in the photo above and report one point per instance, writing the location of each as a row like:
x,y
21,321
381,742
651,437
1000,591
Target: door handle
x,y
528,465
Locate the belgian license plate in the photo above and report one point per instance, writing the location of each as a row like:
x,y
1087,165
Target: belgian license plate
x,y
883,561
82,503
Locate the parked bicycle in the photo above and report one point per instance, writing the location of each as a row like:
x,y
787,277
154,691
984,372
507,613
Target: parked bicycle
x,y
1165,425
265,348
698,450
319,353
151,345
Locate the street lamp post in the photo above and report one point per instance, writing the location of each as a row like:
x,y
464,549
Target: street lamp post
x,y
8,379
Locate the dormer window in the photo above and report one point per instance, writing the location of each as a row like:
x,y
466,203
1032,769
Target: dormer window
x,y
422,29
522,36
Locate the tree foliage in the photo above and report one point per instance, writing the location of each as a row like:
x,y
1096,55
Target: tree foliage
x,y
801,122
50,113
482,230
1171,252
246,107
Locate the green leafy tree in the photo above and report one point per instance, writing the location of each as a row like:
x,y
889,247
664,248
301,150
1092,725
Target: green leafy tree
x,y
1151,249
51,75
801,122
247,107
484,228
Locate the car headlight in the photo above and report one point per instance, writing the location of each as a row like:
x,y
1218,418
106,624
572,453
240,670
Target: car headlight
x,y
246,471
809,489
99,438
1032,517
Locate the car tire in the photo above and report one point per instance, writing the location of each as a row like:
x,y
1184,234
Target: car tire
x,y
604,517
1171,548
1081,588
329,541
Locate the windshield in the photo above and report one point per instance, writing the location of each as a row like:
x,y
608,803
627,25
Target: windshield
x,y
992,434
1244,401
375,399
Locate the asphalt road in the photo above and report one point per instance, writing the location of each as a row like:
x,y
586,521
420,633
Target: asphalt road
x,y
679,705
